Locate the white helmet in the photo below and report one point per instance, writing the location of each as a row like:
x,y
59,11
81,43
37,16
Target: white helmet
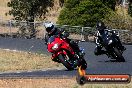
x,y
50,28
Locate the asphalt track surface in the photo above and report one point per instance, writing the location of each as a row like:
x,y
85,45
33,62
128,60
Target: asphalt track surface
x,y
96,64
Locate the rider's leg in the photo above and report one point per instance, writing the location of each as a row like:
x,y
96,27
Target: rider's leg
x,y
74,45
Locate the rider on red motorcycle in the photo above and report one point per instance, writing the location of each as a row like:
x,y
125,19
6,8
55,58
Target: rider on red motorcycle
x,y
52,30
68,52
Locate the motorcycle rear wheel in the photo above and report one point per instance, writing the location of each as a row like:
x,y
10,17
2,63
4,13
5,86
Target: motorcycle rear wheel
x,y
83,64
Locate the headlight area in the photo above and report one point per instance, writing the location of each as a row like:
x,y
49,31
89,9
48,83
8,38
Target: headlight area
x,y
55,46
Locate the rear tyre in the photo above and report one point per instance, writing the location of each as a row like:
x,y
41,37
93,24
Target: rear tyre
x,y
118,55
65,62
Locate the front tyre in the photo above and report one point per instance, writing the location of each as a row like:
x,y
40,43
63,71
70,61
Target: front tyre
x,y
65,62
118,55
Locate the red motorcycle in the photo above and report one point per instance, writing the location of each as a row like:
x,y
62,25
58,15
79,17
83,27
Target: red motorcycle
x,y
64,53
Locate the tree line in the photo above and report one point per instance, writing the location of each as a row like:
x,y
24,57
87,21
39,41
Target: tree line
x,y
74,12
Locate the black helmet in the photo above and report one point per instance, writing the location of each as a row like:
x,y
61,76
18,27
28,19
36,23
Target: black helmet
x,y
50,28
100,26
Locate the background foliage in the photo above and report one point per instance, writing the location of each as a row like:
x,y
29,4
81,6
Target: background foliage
x,y
130,9
74,12
29,9
85,12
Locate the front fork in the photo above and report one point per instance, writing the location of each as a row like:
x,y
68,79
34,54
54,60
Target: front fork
x,y
55,56
63,52
110,51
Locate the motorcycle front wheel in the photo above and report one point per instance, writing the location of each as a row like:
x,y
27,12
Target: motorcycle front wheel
x,y
118,55
65,62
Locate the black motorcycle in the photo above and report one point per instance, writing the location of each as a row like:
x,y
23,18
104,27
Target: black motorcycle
x,y
111,46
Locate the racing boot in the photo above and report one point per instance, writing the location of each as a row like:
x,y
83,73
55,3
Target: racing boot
x,y
100,52
84,65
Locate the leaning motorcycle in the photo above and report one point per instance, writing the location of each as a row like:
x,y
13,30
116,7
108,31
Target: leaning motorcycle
x,y
113,50
63,53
